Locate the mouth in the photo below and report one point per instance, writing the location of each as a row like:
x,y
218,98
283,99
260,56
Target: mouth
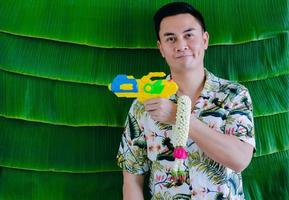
x,y
182,56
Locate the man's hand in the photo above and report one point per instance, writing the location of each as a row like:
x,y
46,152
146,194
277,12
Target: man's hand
x,y
162,110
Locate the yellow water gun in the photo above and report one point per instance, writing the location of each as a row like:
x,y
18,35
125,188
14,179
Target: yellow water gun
x,y
143,89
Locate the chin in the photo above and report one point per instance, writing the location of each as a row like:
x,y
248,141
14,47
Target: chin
x,y
188,65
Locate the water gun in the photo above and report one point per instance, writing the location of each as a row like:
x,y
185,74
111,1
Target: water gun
x,y
143,89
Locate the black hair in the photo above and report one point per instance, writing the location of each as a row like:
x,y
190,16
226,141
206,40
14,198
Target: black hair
x,y
175,9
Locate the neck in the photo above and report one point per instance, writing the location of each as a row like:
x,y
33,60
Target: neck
x,y
190,82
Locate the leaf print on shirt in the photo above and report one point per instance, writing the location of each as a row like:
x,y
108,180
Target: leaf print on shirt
x,y
246,102
216,110
164,196
214,171
168,153
231,88
239,126
234,183
216,113
133,127
132,161
220,196
140,143
135,160
181,197
163,126
240,112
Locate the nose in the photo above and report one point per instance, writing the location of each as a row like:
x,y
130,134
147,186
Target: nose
x,y
181,45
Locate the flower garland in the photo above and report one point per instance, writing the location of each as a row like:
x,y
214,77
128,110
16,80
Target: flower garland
x,y
180,137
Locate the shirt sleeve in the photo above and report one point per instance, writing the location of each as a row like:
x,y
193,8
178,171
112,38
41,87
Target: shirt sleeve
x,y
240,118
132,153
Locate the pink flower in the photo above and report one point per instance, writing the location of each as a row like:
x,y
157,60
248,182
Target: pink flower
x,y
159,178
180,153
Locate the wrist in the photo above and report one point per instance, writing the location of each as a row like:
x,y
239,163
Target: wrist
x,y
174,114
192,129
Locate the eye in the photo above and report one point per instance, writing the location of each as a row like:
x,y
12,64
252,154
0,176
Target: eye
x,y
170,39
189,35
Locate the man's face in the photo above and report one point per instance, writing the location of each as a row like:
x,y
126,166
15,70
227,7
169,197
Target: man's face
x,y
182,42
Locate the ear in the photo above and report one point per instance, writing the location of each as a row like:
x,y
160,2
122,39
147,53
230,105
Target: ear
x,y
160,48
206,39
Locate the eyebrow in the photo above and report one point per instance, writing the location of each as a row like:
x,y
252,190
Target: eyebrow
x,y
185,31
189,29
168,34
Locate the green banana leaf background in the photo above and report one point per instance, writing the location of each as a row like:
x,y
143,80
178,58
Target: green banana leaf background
x,y
60,126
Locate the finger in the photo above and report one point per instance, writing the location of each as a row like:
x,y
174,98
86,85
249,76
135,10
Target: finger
x,y
152,107
154,113
152,101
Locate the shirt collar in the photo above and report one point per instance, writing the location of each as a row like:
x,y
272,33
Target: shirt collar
x,y
211,83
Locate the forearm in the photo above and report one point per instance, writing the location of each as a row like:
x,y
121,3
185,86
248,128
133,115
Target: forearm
x,y
132,186
227,150
132,193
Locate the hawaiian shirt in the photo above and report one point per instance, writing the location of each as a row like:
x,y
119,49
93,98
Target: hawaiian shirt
x,y
146,145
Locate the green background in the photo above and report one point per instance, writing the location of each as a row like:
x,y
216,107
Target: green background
x,y
60,127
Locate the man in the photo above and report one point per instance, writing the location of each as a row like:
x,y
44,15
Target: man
x,y
221,135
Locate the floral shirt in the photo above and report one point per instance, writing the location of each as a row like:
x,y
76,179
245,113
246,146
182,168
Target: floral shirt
x,y
146,145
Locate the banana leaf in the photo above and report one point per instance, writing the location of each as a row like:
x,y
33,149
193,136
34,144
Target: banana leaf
x,y
267,177
56,102
63,103
39,146
271,134
77,63
250,61
104,24
269,96
32,185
